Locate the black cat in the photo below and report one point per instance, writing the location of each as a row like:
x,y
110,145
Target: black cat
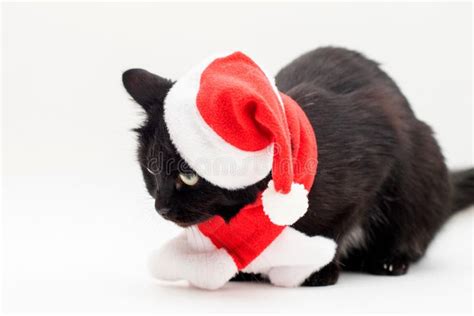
x,y
382,190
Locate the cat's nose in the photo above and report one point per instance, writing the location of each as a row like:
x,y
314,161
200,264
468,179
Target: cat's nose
x,y
163,210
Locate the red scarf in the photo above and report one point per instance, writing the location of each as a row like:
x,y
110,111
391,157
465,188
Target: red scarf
x,y
250,232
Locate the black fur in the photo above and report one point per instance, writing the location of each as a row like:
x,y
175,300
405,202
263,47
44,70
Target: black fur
x,y
380,170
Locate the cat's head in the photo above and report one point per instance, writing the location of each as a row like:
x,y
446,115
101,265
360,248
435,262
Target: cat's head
x,y
180,194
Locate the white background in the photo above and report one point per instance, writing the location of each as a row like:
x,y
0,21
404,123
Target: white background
x,y
77,222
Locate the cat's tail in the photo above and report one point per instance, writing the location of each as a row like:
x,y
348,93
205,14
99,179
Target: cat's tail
x,y
462,182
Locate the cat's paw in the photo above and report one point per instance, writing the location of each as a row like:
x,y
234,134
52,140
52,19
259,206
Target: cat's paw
x,y
248,277
326,276
388,266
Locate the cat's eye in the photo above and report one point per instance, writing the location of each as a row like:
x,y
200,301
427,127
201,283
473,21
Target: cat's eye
x,y
189,179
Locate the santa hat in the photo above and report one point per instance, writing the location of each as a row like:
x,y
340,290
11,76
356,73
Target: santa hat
x,y
227,120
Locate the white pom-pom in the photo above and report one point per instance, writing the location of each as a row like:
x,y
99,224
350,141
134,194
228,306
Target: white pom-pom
x,y
285,209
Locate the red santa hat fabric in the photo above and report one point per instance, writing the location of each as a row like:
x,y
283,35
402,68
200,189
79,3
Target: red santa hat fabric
x,y
228,122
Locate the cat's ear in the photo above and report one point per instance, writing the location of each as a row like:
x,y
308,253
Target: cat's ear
x,y
147,89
